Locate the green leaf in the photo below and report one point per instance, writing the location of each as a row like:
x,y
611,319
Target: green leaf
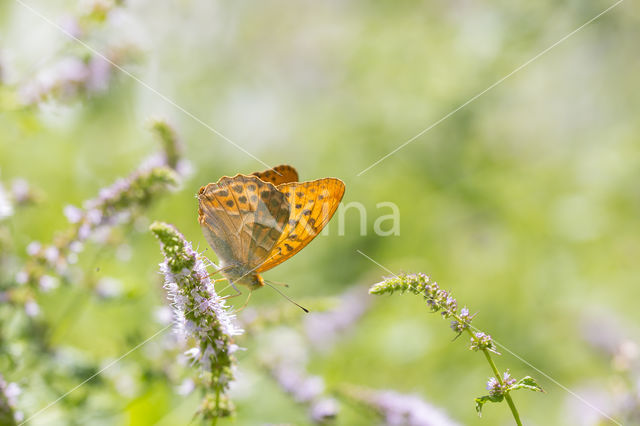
x,y
527,383
484,399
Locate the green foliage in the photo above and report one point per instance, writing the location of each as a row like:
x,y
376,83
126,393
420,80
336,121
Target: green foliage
x,y
527,383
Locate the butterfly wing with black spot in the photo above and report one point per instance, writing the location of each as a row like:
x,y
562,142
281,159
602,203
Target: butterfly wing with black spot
x,y
278,175
242,218
312,204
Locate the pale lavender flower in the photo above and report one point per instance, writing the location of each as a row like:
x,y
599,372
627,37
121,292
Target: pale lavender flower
x,y
113,206
100,72
463,322
31,308
21,191
64,79
301,387
22,277
400,409
34,248
51,254
305,389
75,246
324,410
48,283
481,341
410,410
323,328
494,387
73,213
507,379
71,26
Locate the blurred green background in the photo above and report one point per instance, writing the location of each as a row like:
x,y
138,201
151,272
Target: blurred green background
x,y
525,203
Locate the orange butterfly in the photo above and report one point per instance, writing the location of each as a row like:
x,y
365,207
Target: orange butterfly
x,y
256,222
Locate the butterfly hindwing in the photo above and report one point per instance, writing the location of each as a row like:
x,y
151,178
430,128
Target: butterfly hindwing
x,y
278,175
242,218
312,204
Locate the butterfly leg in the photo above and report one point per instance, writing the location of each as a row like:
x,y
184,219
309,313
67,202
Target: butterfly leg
x,y
245,303
231,296
220,270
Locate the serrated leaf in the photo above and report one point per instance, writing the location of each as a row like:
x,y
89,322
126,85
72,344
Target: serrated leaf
x,y
484,399
527,383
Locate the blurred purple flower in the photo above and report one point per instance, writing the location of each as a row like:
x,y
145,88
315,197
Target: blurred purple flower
x,y
73,214
31,308
71,26
21,191
100,72
323,328
324,410
33,248
64,79
399,409
9,393
48,283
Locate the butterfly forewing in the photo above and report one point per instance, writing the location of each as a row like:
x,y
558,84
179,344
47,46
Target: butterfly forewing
x,y
278,175
312,204
242,218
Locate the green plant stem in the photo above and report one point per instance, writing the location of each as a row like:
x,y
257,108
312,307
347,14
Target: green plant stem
x,y
215,419
498,376
507,397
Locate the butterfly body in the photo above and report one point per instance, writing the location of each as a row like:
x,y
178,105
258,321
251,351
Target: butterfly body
x,y
255,222
239,275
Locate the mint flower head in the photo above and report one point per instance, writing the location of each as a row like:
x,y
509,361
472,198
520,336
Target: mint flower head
x,y
482,341
496,388
201,317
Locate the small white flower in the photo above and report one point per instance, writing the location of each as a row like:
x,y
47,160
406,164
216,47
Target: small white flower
x,y
94,216
47,283
51,253
186,387
31,308
73,213
22,277
33,248
20,190
76,246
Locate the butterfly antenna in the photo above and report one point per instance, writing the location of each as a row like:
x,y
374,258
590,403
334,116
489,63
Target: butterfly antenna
x,y
278,283
287,297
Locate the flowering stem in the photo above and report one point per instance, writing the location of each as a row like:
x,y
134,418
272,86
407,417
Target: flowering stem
x,y
440,300
201,316
507,397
